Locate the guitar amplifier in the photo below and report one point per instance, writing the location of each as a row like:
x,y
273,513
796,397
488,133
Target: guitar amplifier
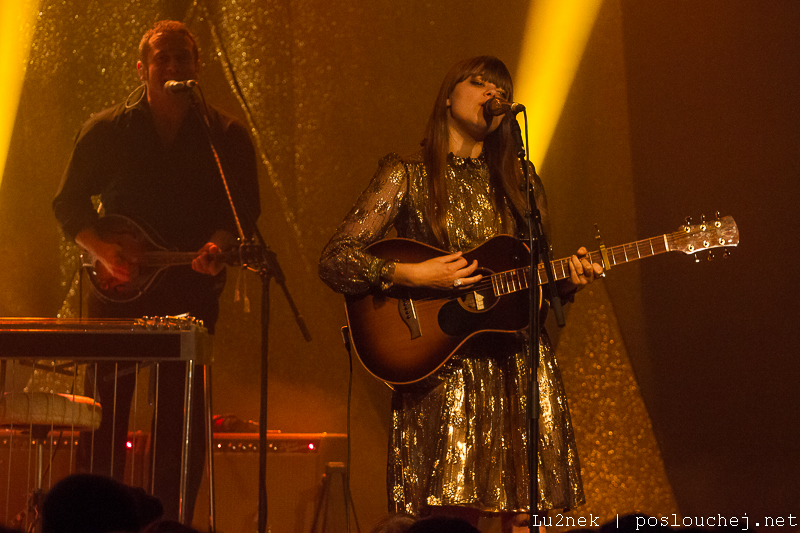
x,y
18,457
18,467
296,463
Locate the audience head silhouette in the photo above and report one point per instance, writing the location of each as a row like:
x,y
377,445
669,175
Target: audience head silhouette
x,y
86,503
442,524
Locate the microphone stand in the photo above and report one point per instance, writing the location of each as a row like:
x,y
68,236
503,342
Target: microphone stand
x,y
540,250
265,264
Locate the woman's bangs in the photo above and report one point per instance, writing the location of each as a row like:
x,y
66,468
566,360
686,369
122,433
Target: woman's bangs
x,y
496,72
490,69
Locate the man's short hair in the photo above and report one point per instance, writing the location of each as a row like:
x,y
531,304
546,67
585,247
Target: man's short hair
x,y
166,26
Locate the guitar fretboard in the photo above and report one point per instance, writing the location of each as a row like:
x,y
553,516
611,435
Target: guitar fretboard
x,y
168,258
518,279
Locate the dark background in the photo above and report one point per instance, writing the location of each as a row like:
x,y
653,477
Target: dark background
x,y
678,108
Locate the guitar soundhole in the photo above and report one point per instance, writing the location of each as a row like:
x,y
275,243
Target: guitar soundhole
x,y
467,313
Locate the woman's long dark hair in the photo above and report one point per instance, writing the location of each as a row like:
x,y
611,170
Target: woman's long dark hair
x,y
498,148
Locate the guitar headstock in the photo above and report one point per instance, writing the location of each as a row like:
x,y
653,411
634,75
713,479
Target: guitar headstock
x,y
717,233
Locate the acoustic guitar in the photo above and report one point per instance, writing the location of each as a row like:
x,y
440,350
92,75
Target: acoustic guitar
x,y
404,335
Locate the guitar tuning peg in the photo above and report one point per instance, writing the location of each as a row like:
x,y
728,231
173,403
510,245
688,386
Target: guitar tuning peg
x,y
726,254
716,215
711,255
696,258
689,220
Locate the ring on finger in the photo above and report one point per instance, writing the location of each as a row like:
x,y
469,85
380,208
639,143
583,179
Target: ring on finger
x,y
457,282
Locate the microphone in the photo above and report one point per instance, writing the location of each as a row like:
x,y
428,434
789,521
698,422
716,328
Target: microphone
x,y
175,86
495,106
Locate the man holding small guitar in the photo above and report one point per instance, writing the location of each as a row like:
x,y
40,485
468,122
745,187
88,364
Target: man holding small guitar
x,y
150,162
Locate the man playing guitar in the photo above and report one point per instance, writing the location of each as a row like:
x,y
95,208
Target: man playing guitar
x,y
149,160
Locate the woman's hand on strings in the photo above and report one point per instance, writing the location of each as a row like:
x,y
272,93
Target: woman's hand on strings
x,y
581,271
443,272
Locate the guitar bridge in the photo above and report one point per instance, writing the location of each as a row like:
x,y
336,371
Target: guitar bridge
x,y
405,306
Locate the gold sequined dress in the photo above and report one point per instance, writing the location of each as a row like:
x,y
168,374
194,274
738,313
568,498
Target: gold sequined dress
x,y
458,438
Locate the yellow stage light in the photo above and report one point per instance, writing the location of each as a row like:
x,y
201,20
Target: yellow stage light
x,y
17,22
555,38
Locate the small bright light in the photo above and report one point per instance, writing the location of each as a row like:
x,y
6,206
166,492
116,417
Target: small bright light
x,y
129,444
311,446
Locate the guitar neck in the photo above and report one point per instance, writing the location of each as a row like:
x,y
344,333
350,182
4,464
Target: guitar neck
x,y
166,258
617,255
518,279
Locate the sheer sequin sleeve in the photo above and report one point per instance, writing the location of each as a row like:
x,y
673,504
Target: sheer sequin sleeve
x,y
345,265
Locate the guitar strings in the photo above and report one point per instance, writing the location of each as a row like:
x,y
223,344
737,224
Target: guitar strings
x,y
518,277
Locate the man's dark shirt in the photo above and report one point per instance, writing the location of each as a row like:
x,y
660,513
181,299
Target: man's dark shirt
x,y
174,191
177,193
